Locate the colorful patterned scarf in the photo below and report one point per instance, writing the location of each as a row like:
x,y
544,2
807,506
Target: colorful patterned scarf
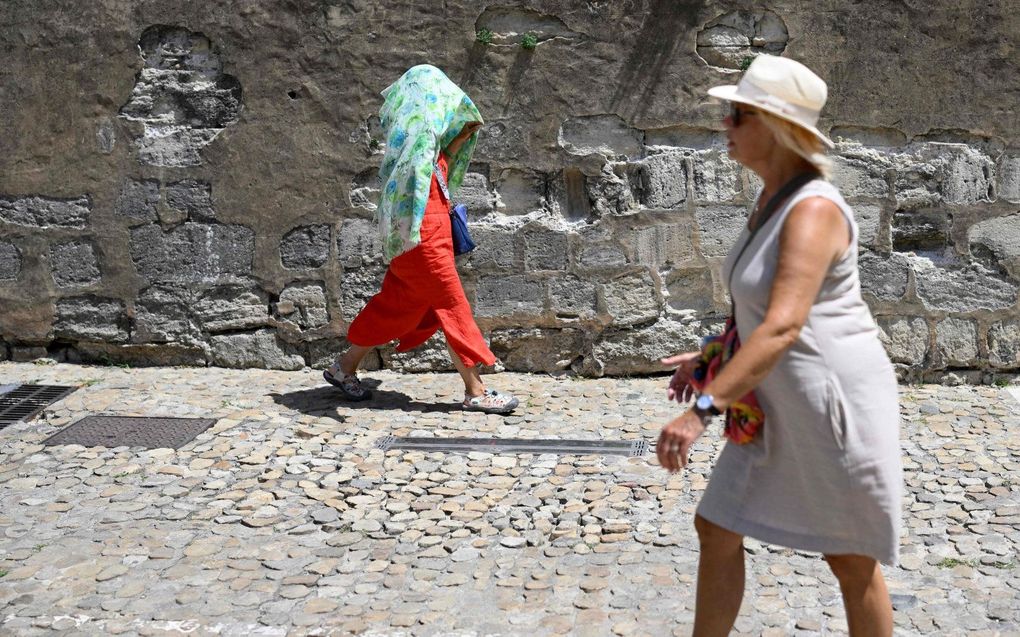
x,y
423,112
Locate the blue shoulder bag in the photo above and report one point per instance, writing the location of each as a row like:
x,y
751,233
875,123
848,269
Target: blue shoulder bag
x,y
462,242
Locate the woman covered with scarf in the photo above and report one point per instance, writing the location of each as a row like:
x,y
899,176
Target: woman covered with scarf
x,y
430,126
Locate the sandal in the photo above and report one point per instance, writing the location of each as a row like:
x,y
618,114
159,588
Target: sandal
x,y
349,385
491,402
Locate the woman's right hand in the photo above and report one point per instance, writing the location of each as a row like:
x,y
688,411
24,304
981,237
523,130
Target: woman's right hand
x,y
680,388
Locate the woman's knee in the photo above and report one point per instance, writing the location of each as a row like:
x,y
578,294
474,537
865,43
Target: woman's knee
x,y
852,569
712,535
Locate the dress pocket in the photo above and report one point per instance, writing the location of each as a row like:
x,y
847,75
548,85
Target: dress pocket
x,y
836,406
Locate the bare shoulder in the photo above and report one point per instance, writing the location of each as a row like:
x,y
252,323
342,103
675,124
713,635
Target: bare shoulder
x,y
819,222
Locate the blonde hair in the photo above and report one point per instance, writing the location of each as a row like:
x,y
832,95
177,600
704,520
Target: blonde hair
x,y
799,140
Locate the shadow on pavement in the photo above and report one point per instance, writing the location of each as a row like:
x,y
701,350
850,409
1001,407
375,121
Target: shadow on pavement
x,y
327,401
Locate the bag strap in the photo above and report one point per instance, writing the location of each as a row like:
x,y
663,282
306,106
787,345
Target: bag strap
x,y
441,180
771,206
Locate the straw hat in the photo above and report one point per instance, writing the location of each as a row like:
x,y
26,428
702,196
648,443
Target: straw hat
x,y
784,87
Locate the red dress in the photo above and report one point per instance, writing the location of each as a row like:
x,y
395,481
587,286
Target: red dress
x,y
422,293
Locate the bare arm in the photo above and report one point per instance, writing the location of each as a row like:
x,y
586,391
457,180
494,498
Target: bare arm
x,y
465,133
814,236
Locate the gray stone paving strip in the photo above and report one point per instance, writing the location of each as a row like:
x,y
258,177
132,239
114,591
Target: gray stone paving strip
x,y
284,518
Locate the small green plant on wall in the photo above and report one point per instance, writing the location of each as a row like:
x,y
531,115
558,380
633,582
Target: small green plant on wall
x,y
746,62
483,36
529,41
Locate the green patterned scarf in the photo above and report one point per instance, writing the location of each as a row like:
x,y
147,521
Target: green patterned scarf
x,y
423,112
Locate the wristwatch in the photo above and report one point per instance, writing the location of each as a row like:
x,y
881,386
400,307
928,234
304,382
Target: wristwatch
x,y
704,407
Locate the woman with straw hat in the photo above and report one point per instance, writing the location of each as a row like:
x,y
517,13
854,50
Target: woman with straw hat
x,y
818,468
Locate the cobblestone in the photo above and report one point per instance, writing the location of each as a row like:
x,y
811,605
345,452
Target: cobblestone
x,y
284,517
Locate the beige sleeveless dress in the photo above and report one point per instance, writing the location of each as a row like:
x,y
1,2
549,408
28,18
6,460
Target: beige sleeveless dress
x,y
824,474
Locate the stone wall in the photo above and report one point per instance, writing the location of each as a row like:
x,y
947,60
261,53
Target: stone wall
x,y
192,182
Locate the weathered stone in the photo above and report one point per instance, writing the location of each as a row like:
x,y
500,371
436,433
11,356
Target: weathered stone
x,y
544,249
639,350
192,199
476,194
632,299
495,248
572,298
1004,344
732,38
536,349
233,306
569,197
905,339
45,212
869,228
192,252
91,318
357,286
304,305
609,193
690,290
956,342
306,247
920,230
933,172
664,244
884,278
664,180
606,135
716,177
10,261
135,355
181,97
257,349
860,174
960,289
998,241
73,264
519,192
718,229
358,244
1007,174
602,255
509,296
138,200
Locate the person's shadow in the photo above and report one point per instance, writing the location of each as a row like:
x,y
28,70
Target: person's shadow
x,y
328,402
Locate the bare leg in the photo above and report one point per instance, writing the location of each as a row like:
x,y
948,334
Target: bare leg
x,y
865,596
720,579
352,358
473,385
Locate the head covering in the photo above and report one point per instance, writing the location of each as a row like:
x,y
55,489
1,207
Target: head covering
x,y
781,86
422,113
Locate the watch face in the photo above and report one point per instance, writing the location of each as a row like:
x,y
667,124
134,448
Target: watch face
x,y
704,402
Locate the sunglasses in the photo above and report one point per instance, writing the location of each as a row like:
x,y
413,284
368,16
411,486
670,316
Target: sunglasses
x,y
736,113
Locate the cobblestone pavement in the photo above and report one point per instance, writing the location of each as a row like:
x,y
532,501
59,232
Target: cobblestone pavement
x,y
285,519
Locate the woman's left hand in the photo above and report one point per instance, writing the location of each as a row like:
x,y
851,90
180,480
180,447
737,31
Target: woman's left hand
x,y
676,439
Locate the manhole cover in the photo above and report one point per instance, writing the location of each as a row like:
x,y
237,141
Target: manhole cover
x,y
633,448
24,402
130,431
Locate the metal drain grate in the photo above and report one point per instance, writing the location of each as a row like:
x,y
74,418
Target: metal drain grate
x,y
632,448
24,402
130,431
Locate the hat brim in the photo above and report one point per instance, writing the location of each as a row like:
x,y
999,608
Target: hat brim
x,y
729,93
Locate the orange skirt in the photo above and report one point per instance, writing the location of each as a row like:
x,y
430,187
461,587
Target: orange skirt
x,y
422,293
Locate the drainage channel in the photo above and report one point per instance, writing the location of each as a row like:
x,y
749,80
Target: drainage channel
x,y
631,448
24,402
131,431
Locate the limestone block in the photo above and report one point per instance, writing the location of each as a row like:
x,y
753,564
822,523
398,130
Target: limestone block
x,y
509,296
305,247
519,192
956,343
868,217
961,288
691,289
544,248
884,278
231,307
476,194
716,177
536,349
1004,344
357,286
304,305
666,244
430,356
573,298
163,315
191,199
999,236
729,40
494,248
359,244
921,230
10,261
1007,173
45,212
74,263
905,338
934,172
606,135
162,355
138,200
637,351
718,229
91,318
602,254
261,348
632,299
5,353
192,252
609,192
663,178
365,189
860,172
